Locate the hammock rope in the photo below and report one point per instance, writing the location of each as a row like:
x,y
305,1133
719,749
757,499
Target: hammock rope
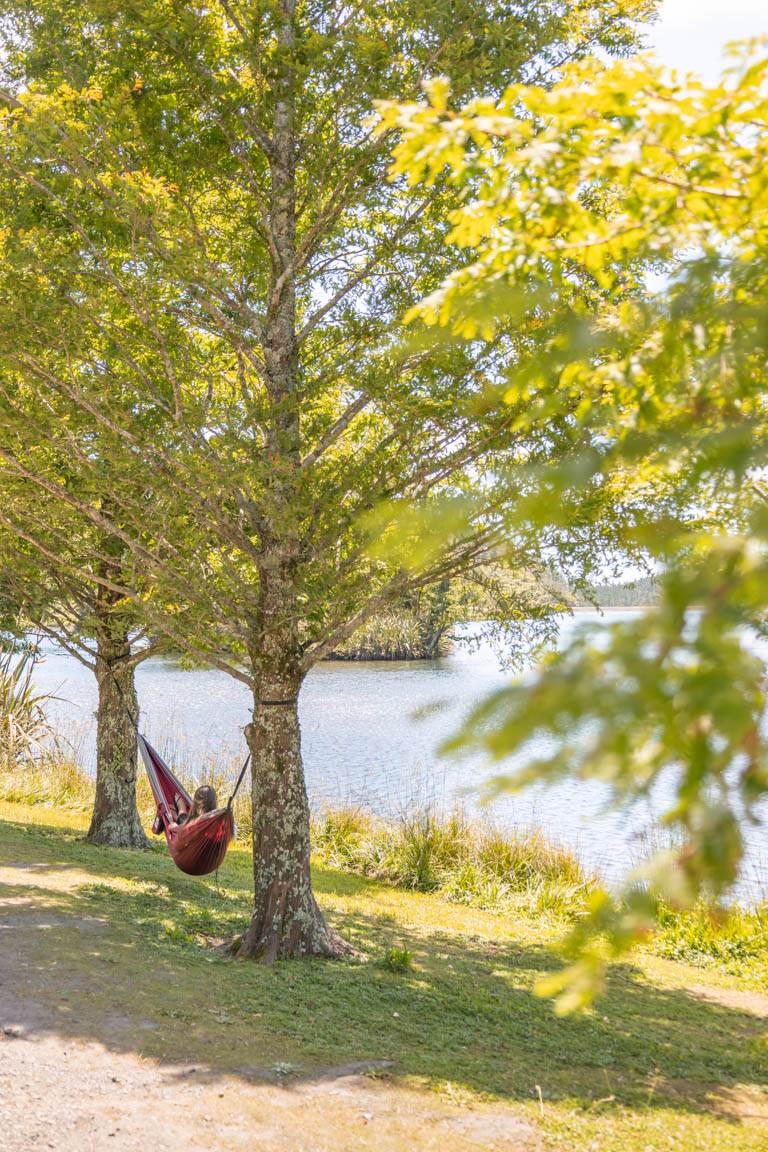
x,y
239,780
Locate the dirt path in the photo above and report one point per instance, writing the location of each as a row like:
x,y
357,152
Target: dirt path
x,y
78,1097
61,1091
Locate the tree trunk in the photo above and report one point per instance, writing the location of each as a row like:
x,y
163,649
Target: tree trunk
x,y
436,618
115,819
286,919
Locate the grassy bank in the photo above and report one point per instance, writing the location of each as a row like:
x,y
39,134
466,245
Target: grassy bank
x,y
459,860
674,1057
465,863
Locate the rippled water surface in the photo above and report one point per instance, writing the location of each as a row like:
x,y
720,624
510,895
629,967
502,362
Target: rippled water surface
x,y
371,734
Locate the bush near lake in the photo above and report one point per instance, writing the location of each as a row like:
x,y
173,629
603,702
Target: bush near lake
x,y
422,626
418,628
398,634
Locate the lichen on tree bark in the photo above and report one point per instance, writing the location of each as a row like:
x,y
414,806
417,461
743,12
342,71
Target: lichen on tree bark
x,y
115,820
286,919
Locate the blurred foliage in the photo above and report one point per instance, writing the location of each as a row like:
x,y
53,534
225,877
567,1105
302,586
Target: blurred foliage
x,y
623,214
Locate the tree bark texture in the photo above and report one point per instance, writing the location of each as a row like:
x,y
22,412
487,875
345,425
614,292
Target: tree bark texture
x,y
286,919
115,819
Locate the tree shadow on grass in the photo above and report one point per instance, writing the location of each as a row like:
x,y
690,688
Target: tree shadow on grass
x,y
122,960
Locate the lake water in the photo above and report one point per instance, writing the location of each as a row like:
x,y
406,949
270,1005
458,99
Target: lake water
x,y
365,743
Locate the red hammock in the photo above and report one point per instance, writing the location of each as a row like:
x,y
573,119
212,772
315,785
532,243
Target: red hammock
x,y
199,847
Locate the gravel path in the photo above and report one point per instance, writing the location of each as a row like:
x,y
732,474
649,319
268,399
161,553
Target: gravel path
x,y
80,1097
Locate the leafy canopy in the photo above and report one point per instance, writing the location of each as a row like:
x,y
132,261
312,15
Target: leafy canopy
x,y
654,190
203,274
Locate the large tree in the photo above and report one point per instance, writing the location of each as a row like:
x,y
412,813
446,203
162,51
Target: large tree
x,y
206,258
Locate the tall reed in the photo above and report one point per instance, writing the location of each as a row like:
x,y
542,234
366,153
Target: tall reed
x,y
464,861
24,729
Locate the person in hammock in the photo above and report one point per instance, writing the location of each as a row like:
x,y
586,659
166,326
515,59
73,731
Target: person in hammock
x,y
203,801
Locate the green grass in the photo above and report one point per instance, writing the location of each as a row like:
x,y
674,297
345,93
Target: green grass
x,y
656,1066
734,940
460,860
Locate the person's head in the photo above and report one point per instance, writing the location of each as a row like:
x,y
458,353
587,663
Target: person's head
x,y
204,800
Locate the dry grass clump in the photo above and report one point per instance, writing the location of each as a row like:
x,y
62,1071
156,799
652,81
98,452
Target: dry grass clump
x,y
465,862
54,782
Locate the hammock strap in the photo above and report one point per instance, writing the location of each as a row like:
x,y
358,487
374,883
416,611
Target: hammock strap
x,y
135,723
239,780
248,757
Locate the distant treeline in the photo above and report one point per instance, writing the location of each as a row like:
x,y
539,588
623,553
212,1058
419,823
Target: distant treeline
x,y
637,594
420,627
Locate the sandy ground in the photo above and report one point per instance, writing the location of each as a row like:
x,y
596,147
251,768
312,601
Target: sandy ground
x,y
79,1096
75,1094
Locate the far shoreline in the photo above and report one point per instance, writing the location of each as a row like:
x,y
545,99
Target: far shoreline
x,y
612,608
